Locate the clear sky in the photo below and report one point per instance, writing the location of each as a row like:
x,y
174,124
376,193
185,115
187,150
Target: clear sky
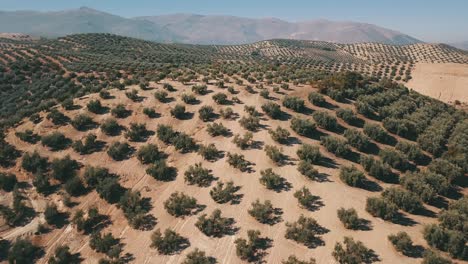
x,y
428,20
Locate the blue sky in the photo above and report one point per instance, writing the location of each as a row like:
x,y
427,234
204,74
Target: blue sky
x,y
429,20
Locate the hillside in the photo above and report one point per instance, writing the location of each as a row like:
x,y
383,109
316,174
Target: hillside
x,y
194,29
118,150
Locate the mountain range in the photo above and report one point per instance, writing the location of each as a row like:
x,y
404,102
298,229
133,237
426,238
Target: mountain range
x,y
194,29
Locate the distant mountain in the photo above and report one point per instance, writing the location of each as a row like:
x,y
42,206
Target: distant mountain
x,y
461,45
194,29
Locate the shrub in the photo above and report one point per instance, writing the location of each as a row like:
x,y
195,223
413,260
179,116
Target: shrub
x,y
57,117
34,162
149,154
382,208
189,98
280,135
209,152
352,176
294,103
132,95
263,212
237,161
217,129
206,113
160,171
431,257
119,151
227,113
133,207
309,153
271,180
376,132
93,175
55,141
316,99
224,192
444,167
272,110
305,231
394,158
7,181
95,106
308,170
62,255
251,123
405,200
294,260
166,133
412,151
89,146
178,111
215,225
180,204
51,214
198,175
243,142
198,257
41,182
82,122
265,94
349,218
110,127
64,169
427,185
446,240
161,96
275,154
402,242
303,127
200,89
348,116
28,136
23,251
104,94
306,199
325,120
251,110
184,143
336,146
109,189
357,139
220,98
137,132
377,169
168,87
106,244
351,252
252,249
74,186
119,111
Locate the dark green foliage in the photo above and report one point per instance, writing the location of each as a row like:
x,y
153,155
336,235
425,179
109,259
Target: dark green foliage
x,y
8,153
275,154
402,242
431,257
161,96
243,142
51,214
119,150
95,106
178,111
133,207
104,94
82,122
325,120
137,132
220,98
280,135
41,182
7,181
64,169
305,231
180,204
336,146
206,113
446,240
57,117
382,208
308,170
352,176
209,152
316,99
132,95
251,250
272,110
198,175
412,151
303,127
457,147
109,189
227,113
405,200
251,123
106,244
86,146
357,139
200,89
110,127
160,171
376,132
217,129
271,180
198,257
224,192
309,153
215,225
55,141
306,199
377,169
150,112
189,98
166,133
149,154
456,216
427,185
349,218
294,103
119,111
23,252
74,186
263,212
34,162
62,255
237,161
93,175
348,116
402,127
168,87
446,168
28,136
394,158
353,252
294,260
184,143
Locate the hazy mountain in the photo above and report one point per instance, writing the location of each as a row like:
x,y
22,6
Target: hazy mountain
x,y
461,45
197,29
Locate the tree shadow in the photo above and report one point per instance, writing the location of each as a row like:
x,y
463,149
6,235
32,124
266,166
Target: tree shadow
x,y
403,220
290,141
148,222
186,116
439,202
364,225
328,163
353,157
60,220
371,186
416,251
315,204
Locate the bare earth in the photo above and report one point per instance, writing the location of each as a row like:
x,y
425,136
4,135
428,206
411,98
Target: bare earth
x,y
445,81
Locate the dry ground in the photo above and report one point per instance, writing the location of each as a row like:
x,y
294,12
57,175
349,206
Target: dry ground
x,y
333,193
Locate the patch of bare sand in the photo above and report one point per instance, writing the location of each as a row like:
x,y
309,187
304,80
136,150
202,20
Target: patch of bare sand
x,y
444,81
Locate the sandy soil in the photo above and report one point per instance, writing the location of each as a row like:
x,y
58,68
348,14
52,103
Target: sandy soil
x,y
334,194
445,81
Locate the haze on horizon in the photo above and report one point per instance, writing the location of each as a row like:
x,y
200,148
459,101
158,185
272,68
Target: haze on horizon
x,y
430,20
